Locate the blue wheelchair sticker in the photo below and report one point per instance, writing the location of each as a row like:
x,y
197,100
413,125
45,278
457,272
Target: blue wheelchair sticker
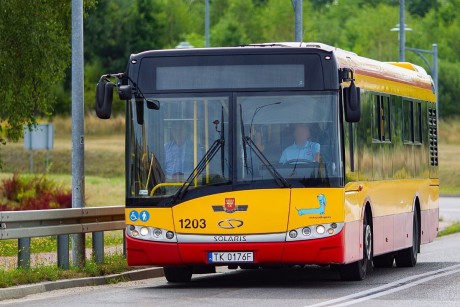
x,y
133,215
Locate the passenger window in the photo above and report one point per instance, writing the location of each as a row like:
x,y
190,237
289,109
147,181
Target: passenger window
x,y
408,119
381,131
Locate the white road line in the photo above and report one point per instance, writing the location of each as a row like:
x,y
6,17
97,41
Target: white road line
x,y
392,287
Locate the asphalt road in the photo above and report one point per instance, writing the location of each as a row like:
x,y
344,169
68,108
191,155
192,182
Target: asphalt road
x,y
434,281
449,209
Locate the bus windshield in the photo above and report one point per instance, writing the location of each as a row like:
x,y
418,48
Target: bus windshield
x,y
291,138
296,134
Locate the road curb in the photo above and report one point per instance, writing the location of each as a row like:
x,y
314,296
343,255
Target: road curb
x,y
24,290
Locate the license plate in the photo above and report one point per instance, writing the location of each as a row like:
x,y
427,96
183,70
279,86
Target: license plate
x,y
229,257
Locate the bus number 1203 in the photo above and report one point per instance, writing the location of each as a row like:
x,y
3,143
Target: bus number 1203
x,y
195,223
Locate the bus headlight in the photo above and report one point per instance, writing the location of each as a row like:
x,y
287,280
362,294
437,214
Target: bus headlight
x,y
320,229
150,233
157,232
144,231
306,231
312,232
169,235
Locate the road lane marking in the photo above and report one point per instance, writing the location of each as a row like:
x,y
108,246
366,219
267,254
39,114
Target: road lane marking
x,y
392,287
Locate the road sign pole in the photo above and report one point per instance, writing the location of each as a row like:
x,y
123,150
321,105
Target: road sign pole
x,y
78,177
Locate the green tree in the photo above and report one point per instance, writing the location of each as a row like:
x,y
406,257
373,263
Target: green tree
x,y
117,28
34,53
236,25
33,57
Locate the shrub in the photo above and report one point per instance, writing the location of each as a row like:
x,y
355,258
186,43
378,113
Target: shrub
x,y
33,193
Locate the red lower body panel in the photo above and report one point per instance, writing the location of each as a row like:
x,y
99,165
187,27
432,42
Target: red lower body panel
x,y
318,251
140,252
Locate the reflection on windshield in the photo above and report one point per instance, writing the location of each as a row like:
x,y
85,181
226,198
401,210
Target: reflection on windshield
x,y
168,148
298,135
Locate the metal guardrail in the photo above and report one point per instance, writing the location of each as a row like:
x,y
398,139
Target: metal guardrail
x,y
23,225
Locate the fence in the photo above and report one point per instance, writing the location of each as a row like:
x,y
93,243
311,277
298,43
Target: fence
x,y
23,225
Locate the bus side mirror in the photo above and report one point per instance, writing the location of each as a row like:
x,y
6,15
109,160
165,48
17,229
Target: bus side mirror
x,y
153,104
104,98
125,92
352,99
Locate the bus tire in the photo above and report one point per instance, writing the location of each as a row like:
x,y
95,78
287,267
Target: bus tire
x,y
384,261
359,269
408,257
178,274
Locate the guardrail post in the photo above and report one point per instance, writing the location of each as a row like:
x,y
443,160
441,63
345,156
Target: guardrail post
x,y
124,242
98,246
63,251
24,253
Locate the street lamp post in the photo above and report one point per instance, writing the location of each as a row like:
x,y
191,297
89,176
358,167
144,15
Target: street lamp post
x,y
298,32
402,28
206,23
433,66
402,34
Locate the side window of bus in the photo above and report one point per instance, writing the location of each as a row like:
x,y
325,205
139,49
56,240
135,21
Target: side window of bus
x,y
412,129
381,114
418,123
408,119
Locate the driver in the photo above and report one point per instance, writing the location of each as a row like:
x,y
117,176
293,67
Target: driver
x,y
179,153
302,149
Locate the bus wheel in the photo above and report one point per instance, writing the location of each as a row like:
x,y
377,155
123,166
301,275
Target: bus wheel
x,y
178,274
408,257
384,261
358,270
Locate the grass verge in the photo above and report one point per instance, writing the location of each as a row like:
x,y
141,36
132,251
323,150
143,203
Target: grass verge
x,y
113,264
9,248
451,229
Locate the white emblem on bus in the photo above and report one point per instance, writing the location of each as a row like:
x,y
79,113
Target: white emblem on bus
x,y
230,223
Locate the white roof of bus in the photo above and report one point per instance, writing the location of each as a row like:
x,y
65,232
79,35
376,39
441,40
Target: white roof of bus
x,y
350,59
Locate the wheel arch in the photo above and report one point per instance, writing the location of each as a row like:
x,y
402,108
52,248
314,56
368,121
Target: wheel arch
x,y
367,209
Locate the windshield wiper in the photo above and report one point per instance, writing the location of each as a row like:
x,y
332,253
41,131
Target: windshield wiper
x,y
208,156
243,136
247,141
278,178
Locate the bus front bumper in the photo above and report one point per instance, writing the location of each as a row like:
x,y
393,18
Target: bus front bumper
x,y
317,251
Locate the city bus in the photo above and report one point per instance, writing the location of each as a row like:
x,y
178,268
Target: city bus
x,y
276,154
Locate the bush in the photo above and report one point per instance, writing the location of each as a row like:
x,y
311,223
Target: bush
x,y
33,193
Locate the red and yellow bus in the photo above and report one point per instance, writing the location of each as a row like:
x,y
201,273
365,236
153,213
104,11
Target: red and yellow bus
x,y
276,154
